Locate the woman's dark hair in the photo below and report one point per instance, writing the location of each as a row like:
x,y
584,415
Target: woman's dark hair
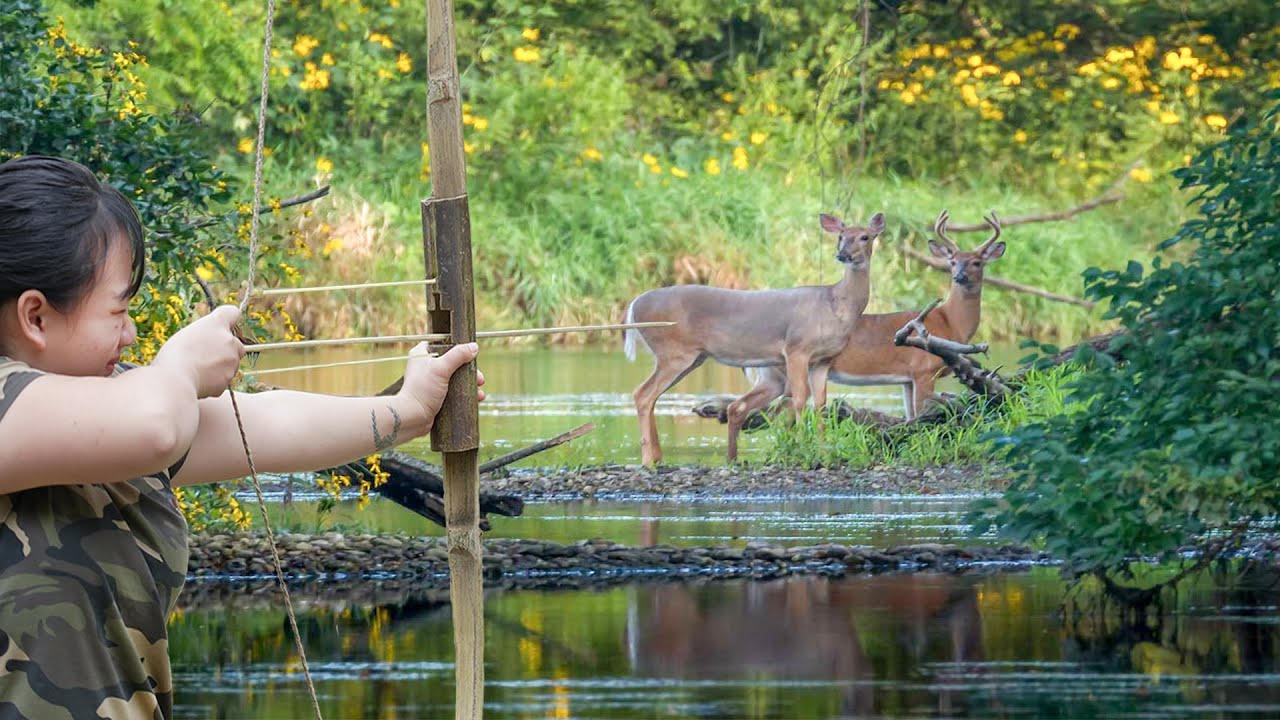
x,y
57,222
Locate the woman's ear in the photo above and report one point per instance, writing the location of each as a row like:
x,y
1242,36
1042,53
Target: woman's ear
x,y
32,315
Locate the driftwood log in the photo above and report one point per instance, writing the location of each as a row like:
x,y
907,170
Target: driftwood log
x,y
419,486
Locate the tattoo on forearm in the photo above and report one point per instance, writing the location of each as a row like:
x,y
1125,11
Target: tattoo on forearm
x,y
385,442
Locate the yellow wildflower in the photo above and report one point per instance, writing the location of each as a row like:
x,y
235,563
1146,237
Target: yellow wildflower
x,y
326,59
1205,39
531,34
205,272
1011,78
677,172
591,153
1066,30
907,97
303,45
975,60
1111,83
728,136
1020,136
711,166
245,145
381,39
324,164
480,124
1215,121
527,54
740,160
315,79
649,159
1169,118
758,138
727,97
970,95
1088,68
404,63
1140,174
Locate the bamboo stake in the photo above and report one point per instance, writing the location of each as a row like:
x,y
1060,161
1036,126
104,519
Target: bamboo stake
x,y
451,306
266,292
445,337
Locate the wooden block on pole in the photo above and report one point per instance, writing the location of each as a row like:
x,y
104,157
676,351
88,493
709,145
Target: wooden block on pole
x,y
451,308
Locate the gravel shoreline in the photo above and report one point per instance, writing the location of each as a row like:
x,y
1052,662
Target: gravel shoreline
x,y
627,481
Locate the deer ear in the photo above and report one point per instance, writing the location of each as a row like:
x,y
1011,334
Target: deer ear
x,y
939,250
993,252
830,223
876,223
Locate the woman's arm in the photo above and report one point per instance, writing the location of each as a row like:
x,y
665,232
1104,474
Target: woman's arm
x,y
296,431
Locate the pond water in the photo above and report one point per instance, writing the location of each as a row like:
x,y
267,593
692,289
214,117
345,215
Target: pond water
x,y
535,394
920,645
1008,643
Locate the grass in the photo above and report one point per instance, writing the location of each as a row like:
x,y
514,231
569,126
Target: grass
x,y
580,249
960,441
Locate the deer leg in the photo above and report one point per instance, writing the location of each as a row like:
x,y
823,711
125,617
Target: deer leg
x,y
666,372
923,391
908,399
818,386
739,410
798,380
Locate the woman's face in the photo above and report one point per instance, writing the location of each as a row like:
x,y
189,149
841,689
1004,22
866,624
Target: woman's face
x,y
88,340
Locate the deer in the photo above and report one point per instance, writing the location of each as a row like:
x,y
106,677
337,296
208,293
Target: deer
x,y
872,358
798,330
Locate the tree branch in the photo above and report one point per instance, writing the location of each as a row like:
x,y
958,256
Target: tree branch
x,y
954,354
999,282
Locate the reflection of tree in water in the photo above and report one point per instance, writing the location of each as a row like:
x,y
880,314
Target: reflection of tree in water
x,y
863,631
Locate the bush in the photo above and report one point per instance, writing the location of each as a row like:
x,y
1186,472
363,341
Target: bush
x,y
1179,442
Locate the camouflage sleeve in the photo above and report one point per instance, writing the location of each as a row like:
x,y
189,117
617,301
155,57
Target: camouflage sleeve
x,y
12,383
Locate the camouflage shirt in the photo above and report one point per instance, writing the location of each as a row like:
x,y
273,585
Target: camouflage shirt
x,y
88,576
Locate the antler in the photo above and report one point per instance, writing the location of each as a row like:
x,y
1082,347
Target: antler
x,y
994,222
940,229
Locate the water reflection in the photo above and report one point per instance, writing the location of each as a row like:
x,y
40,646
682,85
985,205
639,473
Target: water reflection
x,y
922,645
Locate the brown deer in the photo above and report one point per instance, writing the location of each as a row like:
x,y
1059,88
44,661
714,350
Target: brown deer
x,y
871,358
800,329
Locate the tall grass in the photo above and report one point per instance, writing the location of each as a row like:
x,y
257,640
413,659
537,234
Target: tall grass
x,y
967,440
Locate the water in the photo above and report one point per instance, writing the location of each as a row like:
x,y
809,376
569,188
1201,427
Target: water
x,y
540,393
1007,644
920,645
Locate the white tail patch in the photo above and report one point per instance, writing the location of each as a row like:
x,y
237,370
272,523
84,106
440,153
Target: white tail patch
x,y
629,336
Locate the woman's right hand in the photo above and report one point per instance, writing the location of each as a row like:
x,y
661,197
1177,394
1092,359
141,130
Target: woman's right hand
x,y
206,350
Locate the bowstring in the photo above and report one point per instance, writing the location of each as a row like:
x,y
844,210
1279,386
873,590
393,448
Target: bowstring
x,y
244,304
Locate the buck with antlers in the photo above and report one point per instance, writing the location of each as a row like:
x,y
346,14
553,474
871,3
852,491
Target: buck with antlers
x,y
871,357
799,329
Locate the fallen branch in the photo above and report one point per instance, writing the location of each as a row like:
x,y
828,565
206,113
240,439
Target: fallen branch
x,y
1109,196
537,447
954,354
993,281
299,200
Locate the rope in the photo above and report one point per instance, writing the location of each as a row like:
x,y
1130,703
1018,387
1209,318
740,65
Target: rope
x,y
244,303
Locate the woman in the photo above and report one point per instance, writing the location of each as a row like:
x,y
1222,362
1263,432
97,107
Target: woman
x,y
93,548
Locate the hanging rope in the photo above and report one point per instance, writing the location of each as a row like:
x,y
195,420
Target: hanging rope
x,y
244,303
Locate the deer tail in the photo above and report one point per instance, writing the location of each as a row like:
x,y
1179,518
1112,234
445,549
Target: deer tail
x,y
629,336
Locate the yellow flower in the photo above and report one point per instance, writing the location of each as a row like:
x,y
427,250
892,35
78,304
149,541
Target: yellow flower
x,y
975,60
727,97
970,95
591,153
728,136
381,39
526,54
940,52
326,59
404,63
324,164
1140,174
468,147
1111,83
316,78
711,166
1169,118
304,44
1066,30
649,159
1205,39
1088,69
1020,136
1215,121
480,124
758,138
205,272
1011,78
531,34
677,172
907,97
740,158
245,145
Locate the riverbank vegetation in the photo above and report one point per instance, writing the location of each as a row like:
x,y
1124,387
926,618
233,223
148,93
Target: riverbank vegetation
x,y
618,148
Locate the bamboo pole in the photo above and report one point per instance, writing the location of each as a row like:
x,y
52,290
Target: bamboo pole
x,y
451,308
268,292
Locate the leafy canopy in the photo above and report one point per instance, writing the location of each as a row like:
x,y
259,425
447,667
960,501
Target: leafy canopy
x,y
1181,439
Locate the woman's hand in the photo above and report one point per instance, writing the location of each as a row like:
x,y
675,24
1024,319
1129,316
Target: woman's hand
x,y
207,351
426,378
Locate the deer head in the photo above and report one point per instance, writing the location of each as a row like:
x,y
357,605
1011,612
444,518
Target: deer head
x,y
966,267
854,244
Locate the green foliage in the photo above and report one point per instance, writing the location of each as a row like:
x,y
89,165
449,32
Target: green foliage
x,y
966,439
1179,441
88,104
